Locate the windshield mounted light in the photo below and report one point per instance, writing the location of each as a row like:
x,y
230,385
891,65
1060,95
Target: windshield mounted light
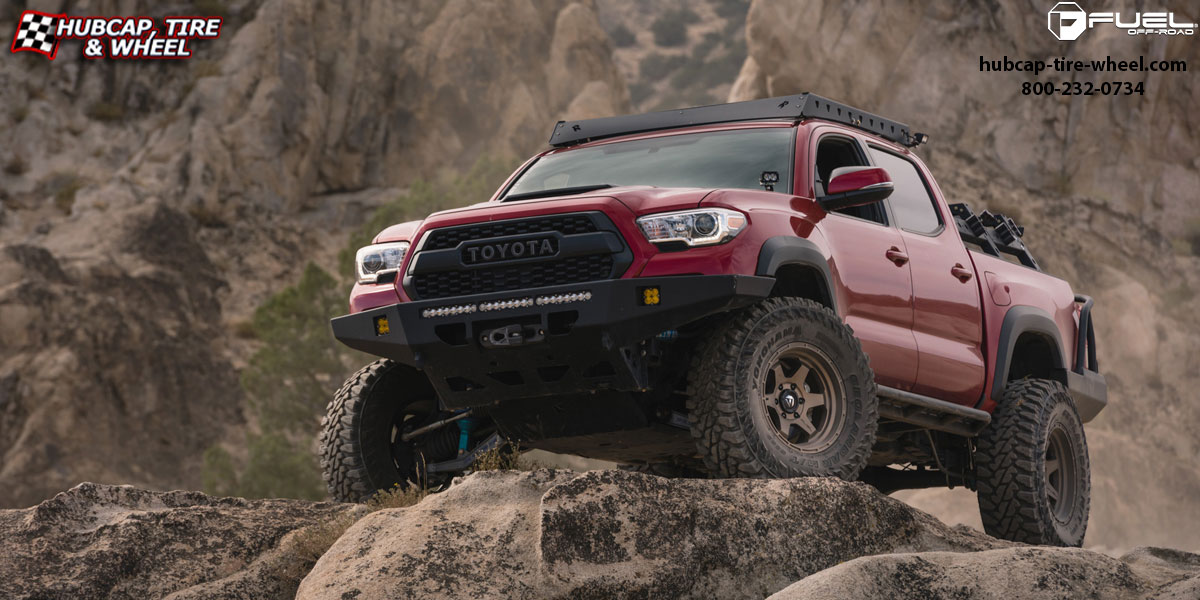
x,y
372,261
702,227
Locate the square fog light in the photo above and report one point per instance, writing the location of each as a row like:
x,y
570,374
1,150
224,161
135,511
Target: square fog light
x,y
649,296
381,325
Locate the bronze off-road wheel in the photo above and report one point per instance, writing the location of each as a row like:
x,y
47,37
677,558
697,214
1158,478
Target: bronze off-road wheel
x,y
783,389
1032,467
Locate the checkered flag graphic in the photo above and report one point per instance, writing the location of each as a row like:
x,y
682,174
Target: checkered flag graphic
x,y
36,33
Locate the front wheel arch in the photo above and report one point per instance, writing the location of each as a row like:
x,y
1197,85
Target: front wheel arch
x,y
800,269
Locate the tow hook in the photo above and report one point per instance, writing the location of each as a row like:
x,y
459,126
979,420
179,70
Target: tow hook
x,y
511,335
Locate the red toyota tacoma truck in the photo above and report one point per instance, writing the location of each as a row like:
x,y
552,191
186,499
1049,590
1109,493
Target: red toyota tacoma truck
x,y
773,288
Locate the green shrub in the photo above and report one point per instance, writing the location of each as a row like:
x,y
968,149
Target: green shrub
x,y
211,8
622,37
503,457
220,474
106,111
709,42
202,67
312,542
284,378
1191,236
396,497
1178,296
732,9
278,467
424,197
684,14
63,186
289,380
668,31
16,166
639,91
660,66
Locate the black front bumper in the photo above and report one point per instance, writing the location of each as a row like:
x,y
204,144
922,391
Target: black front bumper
x,y
580,346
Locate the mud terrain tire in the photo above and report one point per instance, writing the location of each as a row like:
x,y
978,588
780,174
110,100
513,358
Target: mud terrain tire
x,y
357,455
1032,467
755,413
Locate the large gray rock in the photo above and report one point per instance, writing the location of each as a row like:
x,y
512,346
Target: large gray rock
x,y
549,534
614,534
99,541
1032,573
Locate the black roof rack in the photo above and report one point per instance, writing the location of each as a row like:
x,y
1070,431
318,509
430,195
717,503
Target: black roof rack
x,y
802,106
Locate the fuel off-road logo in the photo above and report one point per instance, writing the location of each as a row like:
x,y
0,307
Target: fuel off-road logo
x,y
1067,21
112,37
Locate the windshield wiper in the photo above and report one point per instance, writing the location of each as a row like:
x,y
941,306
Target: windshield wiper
x,y
563,191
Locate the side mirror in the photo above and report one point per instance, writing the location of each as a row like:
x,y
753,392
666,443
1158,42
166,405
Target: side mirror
x,y
856,186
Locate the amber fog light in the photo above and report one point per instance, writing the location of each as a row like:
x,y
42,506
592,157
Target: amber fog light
x,y
650,296
381,325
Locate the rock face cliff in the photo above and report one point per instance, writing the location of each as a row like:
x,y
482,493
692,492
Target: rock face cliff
x,y
551,534
147,207
1106,186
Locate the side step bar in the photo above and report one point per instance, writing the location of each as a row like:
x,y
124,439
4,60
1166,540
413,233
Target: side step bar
x,y
930,413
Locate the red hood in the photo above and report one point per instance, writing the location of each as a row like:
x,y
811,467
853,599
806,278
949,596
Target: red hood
x,y
632,200
401,232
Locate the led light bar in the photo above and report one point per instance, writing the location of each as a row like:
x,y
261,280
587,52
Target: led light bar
x,y
446,311
564,298
494,305
505,304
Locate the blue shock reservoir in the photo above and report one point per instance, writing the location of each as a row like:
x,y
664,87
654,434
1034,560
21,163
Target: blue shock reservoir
x,y
465,426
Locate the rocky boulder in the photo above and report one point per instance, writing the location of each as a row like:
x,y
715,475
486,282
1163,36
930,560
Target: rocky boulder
x,y
614,534
1032,573
549,534
99,541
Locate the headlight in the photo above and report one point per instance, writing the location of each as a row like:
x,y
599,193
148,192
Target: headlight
x,y
371,261
701,227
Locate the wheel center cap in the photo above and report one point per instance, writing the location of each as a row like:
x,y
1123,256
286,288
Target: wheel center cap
x,y
789,400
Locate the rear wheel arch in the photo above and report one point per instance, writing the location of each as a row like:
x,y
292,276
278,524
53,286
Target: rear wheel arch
x,y
799,268
1029,347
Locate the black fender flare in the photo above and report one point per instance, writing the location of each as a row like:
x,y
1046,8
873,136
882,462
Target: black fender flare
x,y
1020,320
784,250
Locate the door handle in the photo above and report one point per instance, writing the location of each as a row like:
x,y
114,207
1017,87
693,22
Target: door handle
x,y
895,255
962,273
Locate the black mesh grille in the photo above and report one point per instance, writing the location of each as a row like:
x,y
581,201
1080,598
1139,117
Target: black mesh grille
x,y
565,224
517,276
513,277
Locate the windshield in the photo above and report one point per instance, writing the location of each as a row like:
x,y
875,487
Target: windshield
x,y
714,159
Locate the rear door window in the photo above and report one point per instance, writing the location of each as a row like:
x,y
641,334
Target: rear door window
x,y
912,203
